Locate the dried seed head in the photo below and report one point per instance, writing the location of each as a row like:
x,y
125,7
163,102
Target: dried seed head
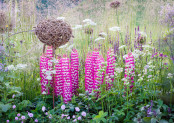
x,y
53,32
141,39
115,4
88,31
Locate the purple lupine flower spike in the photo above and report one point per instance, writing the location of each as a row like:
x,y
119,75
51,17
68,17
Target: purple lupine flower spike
x,y
74,71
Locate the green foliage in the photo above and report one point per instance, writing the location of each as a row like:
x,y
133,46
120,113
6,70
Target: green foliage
x,y
100,117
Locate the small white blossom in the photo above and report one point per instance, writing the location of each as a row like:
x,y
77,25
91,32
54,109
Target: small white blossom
x,y
49,77
87,20
122,46
170,75
103,34
115,28
99,38
77,27
63,46
10,67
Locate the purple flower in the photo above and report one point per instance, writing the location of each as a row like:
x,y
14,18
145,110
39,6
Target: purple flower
x,y
169,110
16,118
73,116
68,117
165,56
8,121
79,118
62,116
13,96
74,120
23,117
36,120
30,114
63,107
83,114
50,116
43,108
18,114
77,109
46,113
165,63
161,55
14,106
151,103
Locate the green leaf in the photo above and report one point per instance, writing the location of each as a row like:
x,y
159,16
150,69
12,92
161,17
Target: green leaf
x,y
101,113
160,102
103,119
5,107
1,78
163,121
147,119
153,120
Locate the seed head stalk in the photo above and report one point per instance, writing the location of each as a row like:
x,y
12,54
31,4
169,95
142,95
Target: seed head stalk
x,y
53,65
119,25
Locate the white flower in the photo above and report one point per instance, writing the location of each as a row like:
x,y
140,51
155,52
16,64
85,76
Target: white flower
x,y
49,77
90,24
77,109
115,28
63,46
87,20
61,18
170,75
21,66
103,34
83,114
10,67
38,79
63,107
43,108
44,93
122,46
77,27
99,38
